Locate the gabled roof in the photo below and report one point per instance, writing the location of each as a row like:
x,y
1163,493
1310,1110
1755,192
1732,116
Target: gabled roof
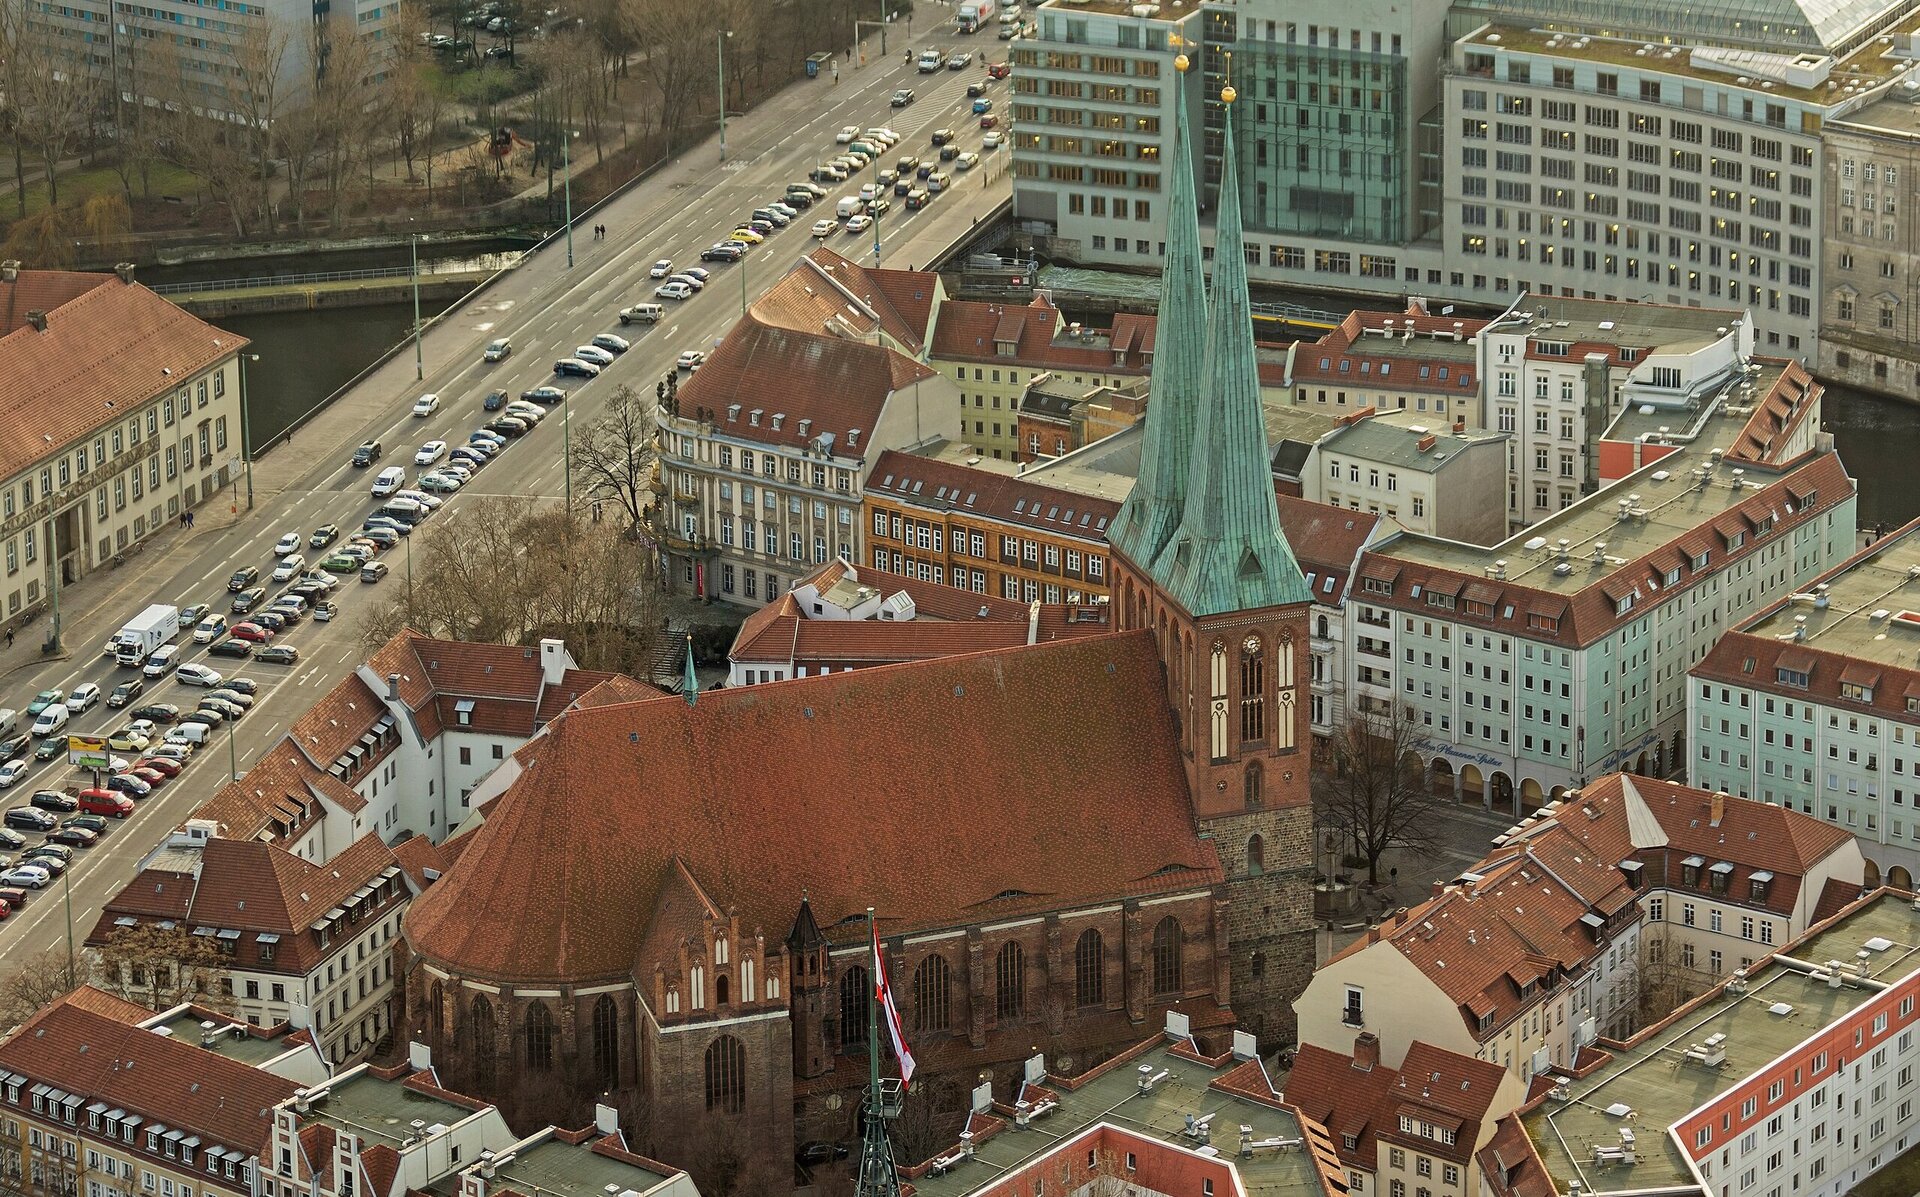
x,y
828,785
1327,541
950,487
827,292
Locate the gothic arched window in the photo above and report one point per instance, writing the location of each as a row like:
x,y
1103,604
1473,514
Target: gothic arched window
x,y
481,1022
606,1042
539,1035
1256,856
726,1075
1253,689
932,994
856,991
1254,784
1010,981
1089,969
1166,956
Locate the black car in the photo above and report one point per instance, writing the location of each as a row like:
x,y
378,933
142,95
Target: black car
x,y
721,253
229,647
494,401
942,136
949,152
313,592
271,620
976,90
367,454
798,199
508,426
242,578
128,784
817,1152
49,748
289,613
247,600
544,395
13,746
159,712
244,685
74,837
94,823
12,841
279,654
126,692
567,365
54,800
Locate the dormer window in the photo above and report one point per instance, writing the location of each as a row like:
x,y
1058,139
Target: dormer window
x,y
1690,871
1761,883
463,712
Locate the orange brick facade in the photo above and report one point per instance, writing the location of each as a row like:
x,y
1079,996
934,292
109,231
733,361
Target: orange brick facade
x,y
983,555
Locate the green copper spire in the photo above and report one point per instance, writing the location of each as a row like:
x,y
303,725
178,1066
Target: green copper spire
x,y
690,685
1147,519
1228,553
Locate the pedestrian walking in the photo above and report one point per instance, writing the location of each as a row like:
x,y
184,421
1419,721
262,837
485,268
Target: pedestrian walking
x,y
9,637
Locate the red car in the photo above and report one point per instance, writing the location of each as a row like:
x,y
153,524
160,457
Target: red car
x,y
153,777
999,70
166,766
989,121
105,802
250,631
6,908
13,896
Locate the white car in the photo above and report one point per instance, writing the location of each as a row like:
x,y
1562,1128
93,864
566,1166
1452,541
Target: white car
x,y
662,268
990,140
690,360
673,289
859,223
430,452
51,720
195,674
289,567
13,771
426,405
526,411
27,876
290,543
846,134
824,228
497,351
868,191
689,279
84,696
966,161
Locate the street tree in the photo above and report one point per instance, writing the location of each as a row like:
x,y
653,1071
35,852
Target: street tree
x,y
30,983
613,458
54,111
1370,787
160,967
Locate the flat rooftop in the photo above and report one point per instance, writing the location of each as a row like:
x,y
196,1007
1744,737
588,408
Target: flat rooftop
x,y
247,1048
1631,325
1897,116
1397,443
552,1168
1886,579
1113,1098
1063,473
1116,8
1873,63
1674,506
1654,1079
382,1111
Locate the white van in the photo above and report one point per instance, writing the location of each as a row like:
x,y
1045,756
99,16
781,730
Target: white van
x,y
194,734
849,205
389,480
162,661
51,720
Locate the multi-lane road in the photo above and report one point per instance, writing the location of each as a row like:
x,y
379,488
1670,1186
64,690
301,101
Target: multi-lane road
x,y
546,307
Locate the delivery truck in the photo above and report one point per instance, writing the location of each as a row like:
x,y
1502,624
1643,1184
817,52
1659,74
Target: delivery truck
x,y
974,15
157,625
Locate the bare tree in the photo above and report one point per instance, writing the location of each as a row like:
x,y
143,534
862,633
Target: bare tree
x,y
614,457
31,983
54,110
1371,788
680,36
160,967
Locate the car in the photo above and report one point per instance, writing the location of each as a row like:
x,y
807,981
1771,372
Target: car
x,y
883,133
194,674
157,712
226,710
49,748
426,405
51,720
514,425
468,457
575,367
288,543
161,663
83,697
94,823
817,1152
778,220
13,771
868,191
929,61
27,818
430,452
373,571
750,236
440,484
828,172
761,225
193,613
488,441
253,633
787,207
493,401
242,578
594,354
525,411
661,268
288,567
966,161
289,608
983,104
902,97
976,90
366,454
942,136
799,199
671,289
27,876
959,60
907,164
128,784
153,777
52,800
880,204
43,857
359,553
45,699
846,134
229,695
165,766
860,222
947,154
247,599
689,359
498,350
126,692
989,121
724,251
13,746
12,841
990,141
999,70
73,837
132,738
230,647
825,228
279,654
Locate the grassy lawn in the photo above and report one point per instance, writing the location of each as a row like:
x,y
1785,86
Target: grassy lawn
x,y
1901,1178
76,186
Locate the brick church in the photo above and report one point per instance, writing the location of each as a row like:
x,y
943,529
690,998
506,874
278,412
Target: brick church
x,y
664,907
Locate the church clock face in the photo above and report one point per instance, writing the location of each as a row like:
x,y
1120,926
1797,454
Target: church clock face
x,y
1251,644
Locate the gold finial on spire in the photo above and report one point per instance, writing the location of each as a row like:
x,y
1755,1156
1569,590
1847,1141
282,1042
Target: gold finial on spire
x,y
1181,62
1227,94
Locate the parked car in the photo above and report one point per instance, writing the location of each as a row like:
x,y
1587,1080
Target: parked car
x,y
574,367
73,837
287,569
250,631
548,395
242,578
27,876
158,712
230,647
279,654
27,818
194,674
13,771
430,452
671,289
126,692
87,820
53,800
128,784
83,697
323,536
593,353
373,571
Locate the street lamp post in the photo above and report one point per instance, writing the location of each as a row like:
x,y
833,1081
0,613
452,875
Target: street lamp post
x,y
566,451
720,64
246,426
419,363
566,154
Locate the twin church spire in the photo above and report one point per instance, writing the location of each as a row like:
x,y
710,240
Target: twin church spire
x,y
1201,520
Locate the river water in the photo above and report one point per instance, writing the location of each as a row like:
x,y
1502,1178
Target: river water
x,y
1879,440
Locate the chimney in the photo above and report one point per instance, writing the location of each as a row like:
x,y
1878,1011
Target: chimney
x,y
1718,808
553,661
1425,443
1439,887
38,319
125,271
393,687
1366,1051
10,271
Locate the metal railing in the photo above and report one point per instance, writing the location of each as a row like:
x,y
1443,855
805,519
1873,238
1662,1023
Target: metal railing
x,y
300,280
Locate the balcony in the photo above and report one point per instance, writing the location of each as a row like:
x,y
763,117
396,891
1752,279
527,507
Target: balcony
x,y
1373,648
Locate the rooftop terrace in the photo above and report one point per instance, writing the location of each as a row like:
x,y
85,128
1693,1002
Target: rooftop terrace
x,y
1659,1085
1113,1098
1873,605
1634,325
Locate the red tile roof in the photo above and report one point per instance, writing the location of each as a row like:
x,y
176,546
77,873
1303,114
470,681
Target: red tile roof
x,y
959,492
1327,541
1350,357
1510,1166
762,793
72,1046
108,347
1346,1100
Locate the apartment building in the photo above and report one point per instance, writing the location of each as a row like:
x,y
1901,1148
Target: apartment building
x,y
1058,416
1328,542
766,451
953,520
1391,362
1427,479
149,424
1561,653
1797,1072
1869,305
1094,97
306,945
1814,704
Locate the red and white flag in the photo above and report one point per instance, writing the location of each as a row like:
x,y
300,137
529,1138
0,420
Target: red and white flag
x,y
883,994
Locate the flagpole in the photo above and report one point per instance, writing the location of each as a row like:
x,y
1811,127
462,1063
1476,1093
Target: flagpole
x,y
873,1022
877,1176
